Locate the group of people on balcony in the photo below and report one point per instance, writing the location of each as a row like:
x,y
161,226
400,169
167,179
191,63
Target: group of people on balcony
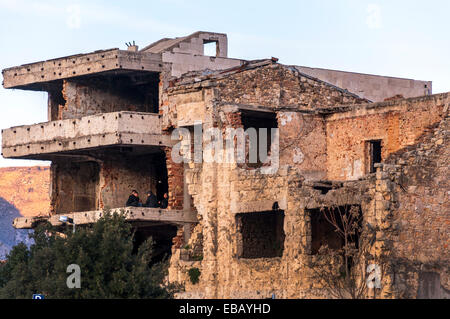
x,y
152,201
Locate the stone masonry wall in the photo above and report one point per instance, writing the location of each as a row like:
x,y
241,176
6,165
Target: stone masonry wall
x,y
222,191
278,86
303,143
224,273
417,232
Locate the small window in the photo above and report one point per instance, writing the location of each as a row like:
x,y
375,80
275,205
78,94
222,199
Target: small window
x,y
374,149
210,48
259,120
260,234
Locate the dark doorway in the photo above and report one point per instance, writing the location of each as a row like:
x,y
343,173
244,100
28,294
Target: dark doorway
x,y
162,185
162,236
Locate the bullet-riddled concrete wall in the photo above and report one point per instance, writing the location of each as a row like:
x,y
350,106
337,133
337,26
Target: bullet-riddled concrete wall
x,y
106,182
182,63
82,100
119,175
101,130
74,186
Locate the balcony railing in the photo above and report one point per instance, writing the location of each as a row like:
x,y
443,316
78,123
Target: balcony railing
x,y
140,215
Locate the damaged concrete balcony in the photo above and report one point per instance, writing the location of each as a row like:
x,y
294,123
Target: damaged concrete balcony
x,y
42,75
138,216
164,226
44,140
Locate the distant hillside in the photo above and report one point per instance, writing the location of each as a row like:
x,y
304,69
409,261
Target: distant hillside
x,y
24,191
9,236
27,188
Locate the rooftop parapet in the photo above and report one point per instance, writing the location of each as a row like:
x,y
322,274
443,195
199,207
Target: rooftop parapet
x,y
43,140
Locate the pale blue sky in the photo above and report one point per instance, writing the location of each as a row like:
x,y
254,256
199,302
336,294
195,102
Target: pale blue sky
x,y
402,38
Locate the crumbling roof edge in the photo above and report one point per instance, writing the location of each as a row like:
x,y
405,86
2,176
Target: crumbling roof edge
x,y
373,105
151,45
154,44
189,79
194,77
342,90
177,40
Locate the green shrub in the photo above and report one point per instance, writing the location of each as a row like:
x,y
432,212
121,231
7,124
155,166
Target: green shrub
x,y
194,274
104,251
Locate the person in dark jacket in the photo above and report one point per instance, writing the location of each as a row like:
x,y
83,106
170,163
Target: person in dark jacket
x,y
151,202
164,202
133,200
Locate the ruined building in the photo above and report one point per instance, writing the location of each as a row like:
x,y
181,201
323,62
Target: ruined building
x,y
376,143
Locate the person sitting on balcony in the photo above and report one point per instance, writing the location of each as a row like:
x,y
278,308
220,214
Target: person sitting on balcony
x,y
151,202
133,200
164,202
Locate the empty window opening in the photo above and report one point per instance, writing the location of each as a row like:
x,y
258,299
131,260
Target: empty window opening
x,y
75,186
103,93
261,234
162,237
259,120
374,148
323,187
330,225
191,144
211,48
56,102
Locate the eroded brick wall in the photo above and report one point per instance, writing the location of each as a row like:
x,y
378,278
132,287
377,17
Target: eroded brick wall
x,y
175,172
396,123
